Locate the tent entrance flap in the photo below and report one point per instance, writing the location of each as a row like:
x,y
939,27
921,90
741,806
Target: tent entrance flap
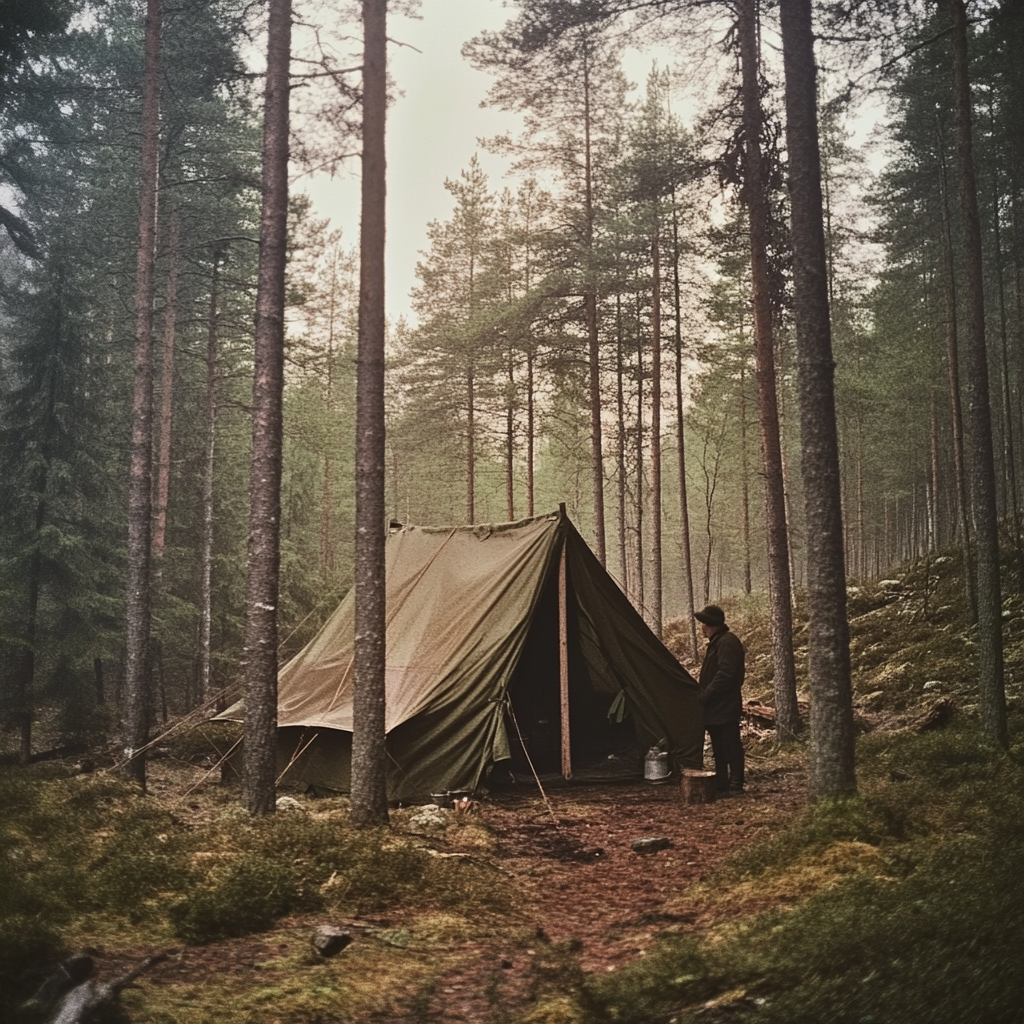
x,y
534,693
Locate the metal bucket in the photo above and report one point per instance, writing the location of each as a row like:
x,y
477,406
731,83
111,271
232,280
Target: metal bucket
x,y
656,767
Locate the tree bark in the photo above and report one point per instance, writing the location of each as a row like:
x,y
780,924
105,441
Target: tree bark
x,y
258,781
684,504
620,446
787,721
206,541
163,463
530,426
510,441
1009,444
26,669
140,493
471,442
953,373
656,584
991,692
832,733
590,312
745,485
640,596
369,766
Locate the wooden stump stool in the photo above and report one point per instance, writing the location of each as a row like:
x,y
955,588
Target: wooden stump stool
x,y
698,786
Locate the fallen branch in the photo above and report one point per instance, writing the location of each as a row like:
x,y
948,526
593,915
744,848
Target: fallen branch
x,y
78,1005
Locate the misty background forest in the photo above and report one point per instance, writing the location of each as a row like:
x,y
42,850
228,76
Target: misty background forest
x,y
590,329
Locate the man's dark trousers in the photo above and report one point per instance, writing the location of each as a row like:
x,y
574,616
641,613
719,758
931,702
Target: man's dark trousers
x,y
727,748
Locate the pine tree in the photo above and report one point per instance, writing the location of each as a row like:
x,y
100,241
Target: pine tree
x,y
369,763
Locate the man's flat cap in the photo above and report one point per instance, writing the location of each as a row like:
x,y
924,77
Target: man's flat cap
x,y
710,615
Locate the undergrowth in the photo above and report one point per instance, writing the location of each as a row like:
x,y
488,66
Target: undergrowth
x,y
88,856
934,934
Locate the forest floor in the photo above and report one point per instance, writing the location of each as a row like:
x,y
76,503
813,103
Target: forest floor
x,y
585,903
513,910
591,897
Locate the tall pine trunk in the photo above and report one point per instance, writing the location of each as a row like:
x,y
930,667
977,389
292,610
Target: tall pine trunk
x,y
530,425
832,735
163,462
684,503
787,720
620,442
656,584
745,484
991,692
953,374
640,597
26,670
206,540
263,583
369,765
590,312
140,493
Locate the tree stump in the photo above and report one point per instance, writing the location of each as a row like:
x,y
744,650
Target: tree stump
x,y
698,786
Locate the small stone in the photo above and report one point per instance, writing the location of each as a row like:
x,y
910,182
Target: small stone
x,y
329,940
934,684
650,844
431,817
288,803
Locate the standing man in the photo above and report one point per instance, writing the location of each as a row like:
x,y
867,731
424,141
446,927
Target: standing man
x,y
720,682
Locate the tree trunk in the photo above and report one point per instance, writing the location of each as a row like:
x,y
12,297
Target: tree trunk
x,y
832,733
1009,445
327,504
787,721
510,442
206,541
620,446
991,692
934,468
638,494
471,443
530,426
140,493
745,496
258,782
590,311
684,505
163,462
26,669
656,584
953,371
369,765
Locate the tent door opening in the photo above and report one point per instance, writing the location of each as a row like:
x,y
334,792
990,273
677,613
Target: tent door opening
x,y
535,694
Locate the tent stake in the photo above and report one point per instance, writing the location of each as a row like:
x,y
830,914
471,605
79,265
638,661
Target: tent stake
x,y
563,662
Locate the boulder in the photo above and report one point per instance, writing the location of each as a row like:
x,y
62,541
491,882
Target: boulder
x,y
650,844
329,940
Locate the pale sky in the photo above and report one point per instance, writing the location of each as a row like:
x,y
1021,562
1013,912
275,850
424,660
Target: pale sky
x,y
431,135
432,131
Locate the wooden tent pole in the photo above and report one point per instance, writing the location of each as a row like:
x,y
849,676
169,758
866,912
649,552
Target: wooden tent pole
x,y
563,662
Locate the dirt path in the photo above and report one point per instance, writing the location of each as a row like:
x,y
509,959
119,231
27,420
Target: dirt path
x,y
592,895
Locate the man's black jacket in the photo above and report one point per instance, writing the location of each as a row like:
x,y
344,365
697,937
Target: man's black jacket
x,y
721,679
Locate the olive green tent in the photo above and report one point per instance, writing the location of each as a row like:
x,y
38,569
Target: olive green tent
x,y
474,674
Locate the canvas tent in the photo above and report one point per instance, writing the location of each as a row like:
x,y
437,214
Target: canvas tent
x,y
475,672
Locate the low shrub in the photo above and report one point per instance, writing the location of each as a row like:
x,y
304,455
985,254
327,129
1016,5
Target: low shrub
x,y
248,895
